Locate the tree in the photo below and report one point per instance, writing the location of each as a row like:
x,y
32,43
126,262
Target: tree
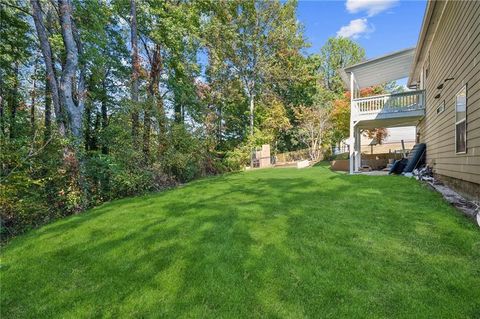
x,y
123,97
275,120
46,49
15,48
338,53
313,123
340,117
63,91
253,43
135,69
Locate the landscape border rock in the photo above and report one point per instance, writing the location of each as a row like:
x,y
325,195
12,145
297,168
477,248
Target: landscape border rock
x,y
468,208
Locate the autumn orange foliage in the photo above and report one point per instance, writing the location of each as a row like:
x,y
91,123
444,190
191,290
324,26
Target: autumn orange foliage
x,y
340,117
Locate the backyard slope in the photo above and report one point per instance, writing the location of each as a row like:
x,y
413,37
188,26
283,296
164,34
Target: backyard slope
x,y
280,243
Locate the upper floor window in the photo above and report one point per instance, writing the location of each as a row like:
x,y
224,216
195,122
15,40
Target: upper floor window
x,y
461,121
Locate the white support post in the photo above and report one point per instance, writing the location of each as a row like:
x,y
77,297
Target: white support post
x,y
358,146
352,126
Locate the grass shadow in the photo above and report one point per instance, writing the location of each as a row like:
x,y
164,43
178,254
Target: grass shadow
x,y
268,243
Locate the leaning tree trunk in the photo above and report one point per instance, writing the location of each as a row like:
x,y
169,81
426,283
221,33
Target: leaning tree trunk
x,y
49,66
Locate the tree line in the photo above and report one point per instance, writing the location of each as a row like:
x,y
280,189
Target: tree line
x,y
106,99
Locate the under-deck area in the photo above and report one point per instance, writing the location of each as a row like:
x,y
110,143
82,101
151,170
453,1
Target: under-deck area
x,y
380,111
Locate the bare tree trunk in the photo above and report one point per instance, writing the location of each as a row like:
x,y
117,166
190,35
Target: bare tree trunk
x,y
47,56
96,129
80,90
75,112
135,70
88,125
73,104
156,66
104,112
219,125
2,119
252,109
162,127
178,112
48,111
147,124
2,100
34,93
14,104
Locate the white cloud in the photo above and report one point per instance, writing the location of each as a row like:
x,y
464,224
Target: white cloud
x,y
372,7
355,29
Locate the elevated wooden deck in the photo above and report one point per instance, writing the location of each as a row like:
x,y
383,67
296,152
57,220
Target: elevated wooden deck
x,y
389,110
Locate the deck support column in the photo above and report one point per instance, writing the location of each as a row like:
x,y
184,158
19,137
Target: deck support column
x,y
358,149
352,142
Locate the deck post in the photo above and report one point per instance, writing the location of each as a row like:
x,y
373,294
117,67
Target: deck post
x,y
352,127
358,151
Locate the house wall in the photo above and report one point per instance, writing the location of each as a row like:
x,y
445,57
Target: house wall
x,y
454,52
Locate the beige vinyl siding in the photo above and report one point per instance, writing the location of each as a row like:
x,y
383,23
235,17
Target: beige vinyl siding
x,y
454,52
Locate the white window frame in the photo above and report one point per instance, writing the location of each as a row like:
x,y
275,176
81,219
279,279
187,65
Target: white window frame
x,y
462,120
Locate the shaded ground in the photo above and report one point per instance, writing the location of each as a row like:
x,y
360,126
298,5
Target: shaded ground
x,y
279,243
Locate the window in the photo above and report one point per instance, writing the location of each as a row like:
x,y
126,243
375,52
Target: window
x,y
461,121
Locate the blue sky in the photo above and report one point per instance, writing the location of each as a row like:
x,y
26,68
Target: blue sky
x,y
379,26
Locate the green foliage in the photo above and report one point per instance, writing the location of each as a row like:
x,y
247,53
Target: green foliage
x,y
205,69
33,188
338,53
184,154
238,158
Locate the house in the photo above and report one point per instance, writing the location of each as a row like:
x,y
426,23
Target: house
x,y
444,101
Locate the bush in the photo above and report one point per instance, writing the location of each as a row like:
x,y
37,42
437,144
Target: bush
x,y
183,156
33,190
341,156
188,157
38,189
238,158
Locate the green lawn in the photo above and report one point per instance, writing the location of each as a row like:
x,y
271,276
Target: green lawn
x,y
278,243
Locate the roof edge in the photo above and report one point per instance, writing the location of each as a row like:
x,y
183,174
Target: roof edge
x,y
376,59
344,72
427,17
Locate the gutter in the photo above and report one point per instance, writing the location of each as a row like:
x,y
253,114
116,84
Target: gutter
x,y
423,44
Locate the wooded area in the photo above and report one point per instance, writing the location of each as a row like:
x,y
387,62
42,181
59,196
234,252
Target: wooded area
x,y
107,99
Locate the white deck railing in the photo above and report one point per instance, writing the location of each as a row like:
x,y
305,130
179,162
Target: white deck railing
x,y
391,103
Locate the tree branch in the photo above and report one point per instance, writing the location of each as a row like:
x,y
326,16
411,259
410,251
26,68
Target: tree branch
x,y
24,10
